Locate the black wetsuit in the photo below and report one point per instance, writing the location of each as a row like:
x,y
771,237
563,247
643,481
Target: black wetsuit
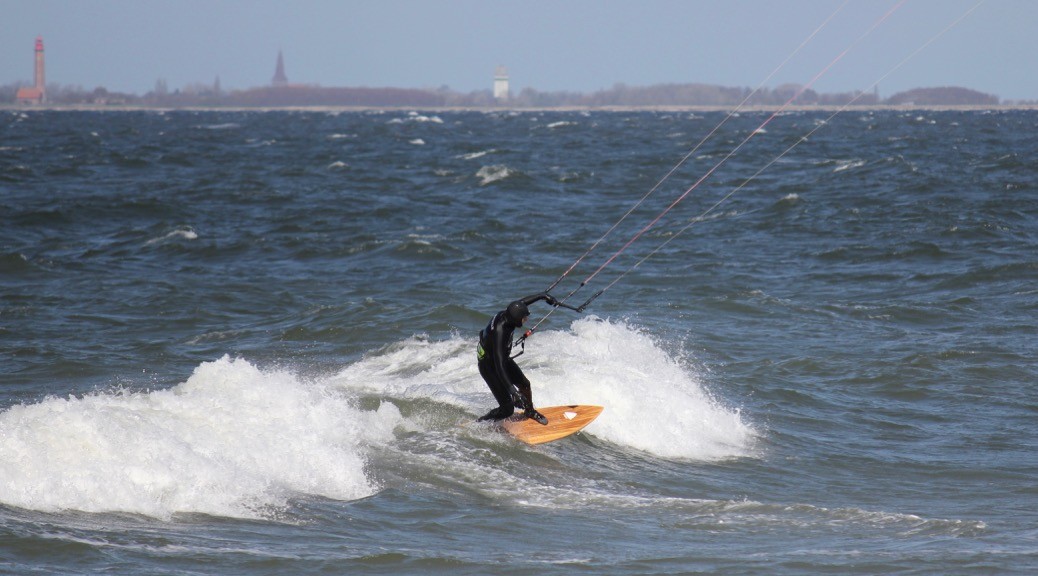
x,y
497,367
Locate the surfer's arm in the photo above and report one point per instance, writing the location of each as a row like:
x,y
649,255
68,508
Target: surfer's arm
x,y
538,297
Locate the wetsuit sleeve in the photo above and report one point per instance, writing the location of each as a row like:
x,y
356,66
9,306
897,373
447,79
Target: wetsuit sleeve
x,y
535,298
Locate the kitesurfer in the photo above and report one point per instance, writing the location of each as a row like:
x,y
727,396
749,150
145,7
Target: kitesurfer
x,y
498,368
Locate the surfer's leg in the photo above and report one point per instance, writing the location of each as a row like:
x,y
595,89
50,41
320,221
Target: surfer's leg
x,y
523,384
500,391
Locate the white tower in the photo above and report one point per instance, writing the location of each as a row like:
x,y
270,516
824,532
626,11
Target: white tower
x,y
501,84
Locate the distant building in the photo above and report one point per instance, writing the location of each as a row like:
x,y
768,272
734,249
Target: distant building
x,y
37,94
279,73
501,84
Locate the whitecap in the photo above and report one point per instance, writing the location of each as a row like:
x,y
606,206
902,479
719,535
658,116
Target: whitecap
x,y
491,174
233,440
183,233
416,117
848,165
223,126
474,155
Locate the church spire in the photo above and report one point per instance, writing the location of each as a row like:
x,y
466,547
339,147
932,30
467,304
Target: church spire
x,y
279,73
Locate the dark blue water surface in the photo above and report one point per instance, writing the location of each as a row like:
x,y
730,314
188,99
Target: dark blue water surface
x,y
242,342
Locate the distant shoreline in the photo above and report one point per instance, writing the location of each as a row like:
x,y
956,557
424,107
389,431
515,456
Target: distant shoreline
x,y
640,108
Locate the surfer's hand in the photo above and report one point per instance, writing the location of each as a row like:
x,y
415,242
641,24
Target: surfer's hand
x,y
551,300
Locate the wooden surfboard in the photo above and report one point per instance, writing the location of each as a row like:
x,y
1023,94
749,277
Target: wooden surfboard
x,y
562,421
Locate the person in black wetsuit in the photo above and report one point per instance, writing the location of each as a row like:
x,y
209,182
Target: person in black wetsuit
x,y
497,367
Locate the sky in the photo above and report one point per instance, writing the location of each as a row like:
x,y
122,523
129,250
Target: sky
x,y
547,45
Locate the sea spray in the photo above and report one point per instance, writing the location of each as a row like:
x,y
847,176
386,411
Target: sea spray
x,y
653,402
233,440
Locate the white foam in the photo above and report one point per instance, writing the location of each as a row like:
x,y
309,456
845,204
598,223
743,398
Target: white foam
x,y
491,174
416,117
223,126
848,165
653,403
184,233
232,440
474,155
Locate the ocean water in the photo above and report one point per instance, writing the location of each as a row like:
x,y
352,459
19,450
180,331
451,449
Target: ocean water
x,y
242,342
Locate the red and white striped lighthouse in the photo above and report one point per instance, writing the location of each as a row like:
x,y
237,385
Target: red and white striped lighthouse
x,y
41,83
38,93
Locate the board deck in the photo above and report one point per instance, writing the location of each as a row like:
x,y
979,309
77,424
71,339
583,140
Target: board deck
x,y
562,421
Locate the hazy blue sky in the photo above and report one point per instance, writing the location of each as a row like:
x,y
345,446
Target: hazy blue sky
x,y
550,45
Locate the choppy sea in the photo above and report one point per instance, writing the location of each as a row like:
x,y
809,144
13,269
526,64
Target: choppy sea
x,y
243,342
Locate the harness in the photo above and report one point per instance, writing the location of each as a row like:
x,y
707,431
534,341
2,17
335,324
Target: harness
x,y
481,350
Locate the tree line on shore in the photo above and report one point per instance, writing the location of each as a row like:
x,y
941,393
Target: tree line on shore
x,y
620,95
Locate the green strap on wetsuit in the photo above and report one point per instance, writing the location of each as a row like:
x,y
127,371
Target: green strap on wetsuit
x,y
481,352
